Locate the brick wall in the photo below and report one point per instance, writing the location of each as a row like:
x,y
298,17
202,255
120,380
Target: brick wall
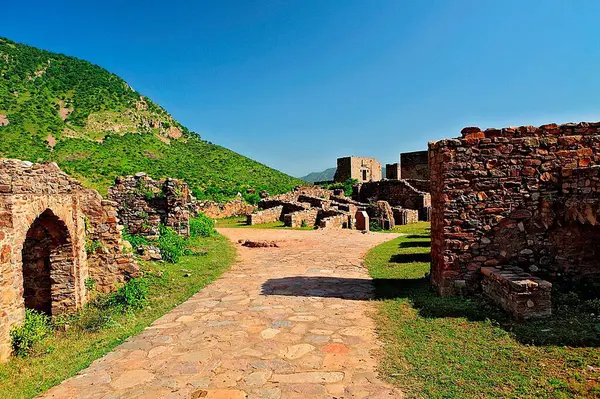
x,y
525,196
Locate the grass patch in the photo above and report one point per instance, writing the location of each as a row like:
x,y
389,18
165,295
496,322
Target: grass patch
x,y
240,222
63,354
455,347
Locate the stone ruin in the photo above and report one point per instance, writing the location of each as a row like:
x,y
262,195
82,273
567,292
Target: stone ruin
x,y
515,210
144,204
359,168
54,234
398,193
217,210
314,206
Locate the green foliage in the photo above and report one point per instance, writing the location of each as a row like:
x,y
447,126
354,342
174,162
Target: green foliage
x,y
90,284
171,245
35,328
202,226
374,225
252,198
91,246
33,84
131,296
135,240
346,186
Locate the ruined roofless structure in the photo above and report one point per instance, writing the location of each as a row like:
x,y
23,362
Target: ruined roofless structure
x,y
359,168
46,220
515,210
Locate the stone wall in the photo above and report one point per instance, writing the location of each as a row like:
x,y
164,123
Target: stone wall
x,y
143,204
414,165
405,216
216,210
526,197
266,216
46,222
338,221
421,185
306,218
395,192
359,168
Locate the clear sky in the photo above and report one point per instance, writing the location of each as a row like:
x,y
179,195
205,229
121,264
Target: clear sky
x,y
296,84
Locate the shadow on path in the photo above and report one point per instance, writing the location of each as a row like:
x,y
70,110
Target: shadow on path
x,y
557,330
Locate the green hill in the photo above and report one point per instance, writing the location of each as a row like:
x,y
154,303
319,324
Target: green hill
x,y
326,175
96,127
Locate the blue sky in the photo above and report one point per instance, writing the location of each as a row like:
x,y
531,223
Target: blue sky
x,y
296,84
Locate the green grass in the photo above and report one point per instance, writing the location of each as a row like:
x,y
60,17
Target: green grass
x,y
72,351
455,347
240,222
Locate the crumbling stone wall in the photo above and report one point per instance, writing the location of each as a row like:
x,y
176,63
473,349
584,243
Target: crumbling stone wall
x,y
405,216
266,216
143,204
306,218
359,168
216,210
414,165
46,220
395,192
526,197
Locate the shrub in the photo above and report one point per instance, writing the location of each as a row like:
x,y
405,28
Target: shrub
x,y
375,226
171,245
35,328
252,198
131,296
135,240
202,226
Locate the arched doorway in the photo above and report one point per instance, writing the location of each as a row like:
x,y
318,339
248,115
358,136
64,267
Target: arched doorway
x,y
48,266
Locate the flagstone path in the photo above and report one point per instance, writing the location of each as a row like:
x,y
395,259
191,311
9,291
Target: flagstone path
x,y
285,322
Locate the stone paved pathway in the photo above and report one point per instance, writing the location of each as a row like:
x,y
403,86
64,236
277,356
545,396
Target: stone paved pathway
x,y
287,322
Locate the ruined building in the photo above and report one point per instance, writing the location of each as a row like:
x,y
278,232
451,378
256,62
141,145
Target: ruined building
x,y
398,193
144,204
317,207
414,165
361,169
54,234
515,210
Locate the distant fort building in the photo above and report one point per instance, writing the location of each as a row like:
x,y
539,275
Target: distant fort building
x,y
359,168
392,171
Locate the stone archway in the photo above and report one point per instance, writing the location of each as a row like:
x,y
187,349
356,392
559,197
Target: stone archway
x,y
48,266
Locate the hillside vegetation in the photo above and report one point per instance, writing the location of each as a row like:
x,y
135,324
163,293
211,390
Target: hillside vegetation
x,y
96,127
